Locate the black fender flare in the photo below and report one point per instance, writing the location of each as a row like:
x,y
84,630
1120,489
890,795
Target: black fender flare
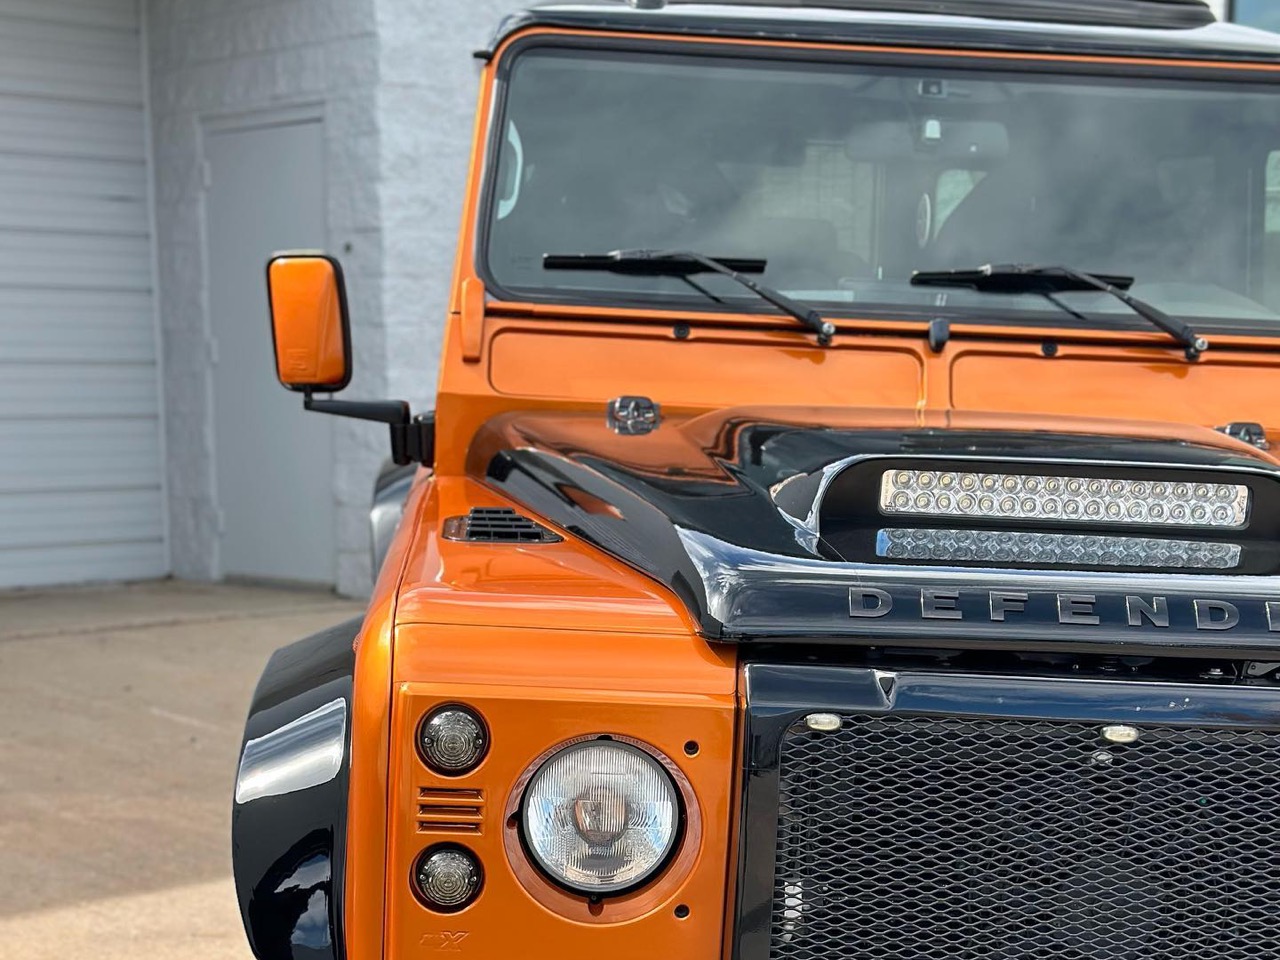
x,y
289,814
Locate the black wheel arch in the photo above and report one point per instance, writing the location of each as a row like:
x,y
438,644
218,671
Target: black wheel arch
x,y
289,815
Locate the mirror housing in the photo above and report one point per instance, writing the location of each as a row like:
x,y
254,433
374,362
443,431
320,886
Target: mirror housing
x,y
310,325
311,329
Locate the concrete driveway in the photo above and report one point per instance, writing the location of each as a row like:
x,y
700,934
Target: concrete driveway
x,y
121,711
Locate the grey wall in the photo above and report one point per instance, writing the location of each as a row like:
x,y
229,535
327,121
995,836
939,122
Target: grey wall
x,y
426,107
397,84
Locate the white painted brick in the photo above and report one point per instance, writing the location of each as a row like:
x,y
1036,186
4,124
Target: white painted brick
x,y
353,524
399,89
228,56
353,573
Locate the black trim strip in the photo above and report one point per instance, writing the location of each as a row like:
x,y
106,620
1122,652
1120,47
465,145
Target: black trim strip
x,y
1142,14
932,32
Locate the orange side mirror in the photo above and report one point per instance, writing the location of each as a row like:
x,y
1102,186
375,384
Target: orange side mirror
x,y
309,322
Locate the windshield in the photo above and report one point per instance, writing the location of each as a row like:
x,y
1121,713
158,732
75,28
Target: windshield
x,y
848,178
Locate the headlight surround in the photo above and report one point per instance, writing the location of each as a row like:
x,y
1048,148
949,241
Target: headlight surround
x,y
601,817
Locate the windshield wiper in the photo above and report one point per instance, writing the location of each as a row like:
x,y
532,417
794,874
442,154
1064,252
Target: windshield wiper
x,y
1050,281
678,263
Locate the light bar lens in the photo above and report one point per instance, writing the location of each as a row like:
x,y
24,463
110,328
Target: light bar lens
x,y
1065,549
1064,499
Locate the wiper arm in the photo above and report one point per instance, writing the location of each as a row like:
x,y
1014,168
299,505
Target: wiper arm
x,y
1049,281
683,263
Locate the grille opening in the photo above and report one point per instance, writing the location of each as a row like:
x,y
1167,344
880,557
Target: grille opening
x,y
497,525
940,838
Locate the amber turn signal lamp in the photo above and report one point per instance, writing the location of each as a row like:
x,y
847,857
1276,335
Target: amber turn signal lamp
x,y
309,322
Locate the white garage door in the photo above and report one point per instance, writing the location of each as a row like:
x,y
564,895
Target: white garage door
x,y
80,461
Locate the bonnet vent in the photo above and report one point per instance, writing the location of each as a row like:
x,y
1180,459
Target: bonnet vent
x,y
497,525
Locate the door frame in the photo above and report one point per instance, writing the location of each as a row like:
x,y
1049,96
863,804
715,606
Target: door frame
x,y
211,124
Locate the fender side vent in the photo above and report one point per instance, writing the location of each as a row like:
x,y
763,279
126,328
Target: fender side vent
x,y
497,525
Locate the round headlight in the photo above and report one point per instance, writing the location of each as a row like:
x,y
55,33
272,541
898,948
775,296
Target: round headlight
x,y
453,740
601,817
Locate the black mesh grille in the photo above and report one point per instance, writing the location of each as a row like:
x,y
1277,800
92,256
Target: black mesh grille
x,y
497,525
906,838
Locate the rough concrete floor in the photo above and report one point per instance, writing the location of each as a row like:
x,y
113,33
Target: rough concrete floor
x,y
121,711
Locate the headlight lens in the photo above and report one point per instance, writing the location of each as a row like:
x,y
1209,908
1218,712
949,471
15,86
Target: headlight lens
x,y
601,817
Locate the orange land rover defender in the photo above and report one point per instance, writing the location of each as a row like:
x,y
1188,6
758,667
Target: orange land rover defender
x,y
846,530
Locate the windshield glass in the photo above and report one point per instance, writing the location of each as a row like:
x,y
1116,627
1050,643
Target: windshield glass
x,y
849,178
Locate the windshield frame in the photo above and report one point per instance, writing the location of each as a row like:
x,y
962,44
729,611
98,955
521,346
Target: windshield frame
x,y
1259,77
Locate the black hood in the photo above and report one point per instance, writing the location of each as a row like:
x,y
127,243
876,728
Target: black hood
x,y
766,525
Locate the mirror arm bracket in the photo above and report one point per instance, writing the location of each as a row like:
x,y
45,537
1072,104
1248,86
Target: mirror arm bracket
x,y
413,439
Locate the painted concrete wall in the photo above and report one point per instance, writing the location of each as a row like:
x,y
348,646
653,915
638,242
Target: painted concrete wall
x,y
214,58
398,86
426,108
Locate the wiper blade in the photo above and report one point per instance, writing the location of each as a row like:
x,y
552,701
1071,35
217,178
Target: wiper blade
x,y
683,263
1050,281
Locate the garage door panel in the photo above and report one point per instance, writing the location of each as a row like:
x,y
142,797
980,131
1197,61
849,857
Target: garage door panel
x,y
47,566
53,460
71,176
38,391
35,259
73,214
70,326
65,305
68,41
80,518
81,468
95,83
36,127
112,14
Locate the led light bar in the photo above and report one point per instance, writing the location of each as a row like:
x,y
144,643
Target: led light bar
x,y
1065,549
1064,499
